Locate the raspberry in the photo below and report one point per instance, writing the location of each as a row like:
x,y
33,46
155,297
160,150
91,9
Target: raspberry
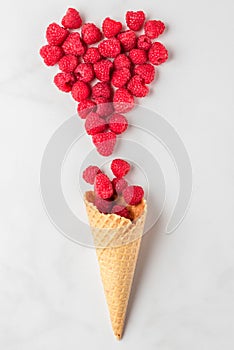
x,y
119,184
133,195
123,100
154,28
72,19
91,34
118,123
64,81
135,20
84,72
51,54
121,211
120,77
105,143
137,87
73,45
103,205
109,48
128,40
80,91
90,173
158,54
122,61
146,72
102,89
111,28
55,34
104,107
68,63
94,124
138,56
103,186
85,107
120,167
102,70
92,55
144,42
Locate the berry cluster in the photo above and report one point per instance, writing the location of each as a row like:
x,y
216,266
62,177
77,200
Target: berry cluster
x,y
104,79
113,196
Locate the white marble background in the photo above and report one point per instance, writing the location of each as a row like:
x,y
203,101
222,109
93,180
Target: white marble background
x,y
51,297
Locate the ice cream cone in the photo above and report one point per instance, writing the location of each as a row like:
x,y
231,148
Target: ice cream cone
x,y
117,241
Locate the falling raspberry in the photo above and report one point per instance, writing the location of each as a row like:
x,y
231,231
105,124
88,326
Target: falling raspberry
x,y
103,186
158,54
80,91
111,28
118,123
72,19
51,54
85,107
154,28
133,194
90,173
64,81
135,20
120,167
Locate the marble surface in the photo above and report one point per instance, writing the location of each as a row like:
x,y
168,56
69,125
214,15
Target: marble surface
x,y
50,292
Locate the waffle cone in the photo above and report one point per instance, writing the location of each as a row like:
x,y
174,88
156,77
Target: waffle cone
x,y
117,241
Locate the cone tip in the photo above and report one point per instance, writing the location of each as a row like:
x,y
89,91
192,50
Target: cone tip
x,y
118,336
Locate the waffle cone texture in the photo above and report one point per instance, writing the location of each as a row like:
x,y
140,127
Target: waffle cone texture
x,y
117,241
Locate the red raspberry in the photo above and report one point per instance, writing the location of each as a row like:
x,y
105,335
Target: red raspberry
x,y
119,184
90,173
128,40
120,167
135,20
103,205
105,143
109,48
103,186
64,81
102,89
121,211
144,42
154,28
85,107
102,70
137,87
123,101
111,28
104,107
158,54
72,19
73,45
80,91
133,195
122,61
91,34
118,123
55,34
84,72
51,54
120,77
68,63
92,55
146,72
94,124
138,56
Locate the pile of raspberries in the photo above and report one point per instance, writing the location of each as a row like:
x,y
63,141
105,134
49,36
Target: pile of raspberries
x,y
104,79
113,196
